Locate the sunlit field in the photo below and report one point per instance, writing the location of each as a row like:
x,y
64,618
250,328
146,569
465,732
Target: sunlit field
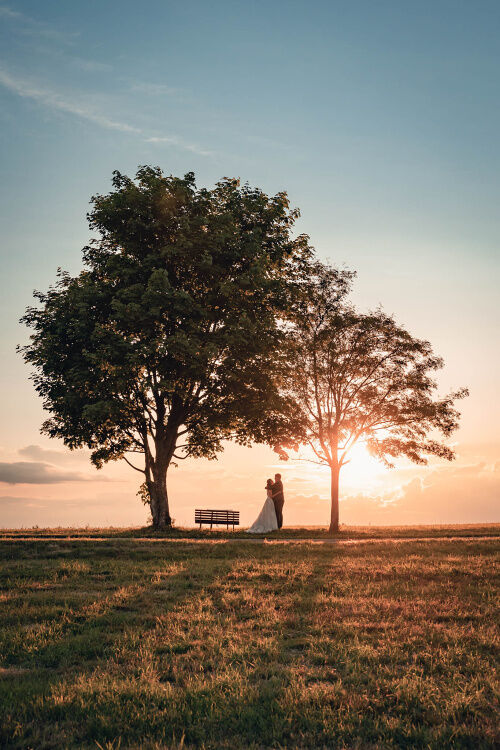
x,y
128,643
305,533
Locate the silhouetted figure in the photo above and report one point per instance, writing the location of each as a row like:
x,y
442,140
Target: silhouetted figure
x,y
278,499
266,520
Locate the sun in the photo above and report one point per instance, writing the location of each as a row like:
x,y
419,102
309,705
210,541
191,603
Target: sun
x,y
363,471
362,474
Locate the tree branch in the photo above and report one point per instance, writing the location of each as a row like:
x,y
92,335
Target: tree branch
x,y
132,465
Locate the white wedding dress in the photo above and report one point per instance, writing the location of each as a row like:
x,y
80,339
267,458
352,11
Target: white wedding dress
x,y
266,520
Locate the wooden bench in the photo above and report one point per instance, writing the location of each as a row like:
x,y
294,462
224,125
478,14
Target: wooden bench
x,y
218,517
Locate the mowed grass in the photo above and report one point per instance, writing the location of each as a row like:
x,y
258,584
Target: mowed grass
x,y
125,643
346,533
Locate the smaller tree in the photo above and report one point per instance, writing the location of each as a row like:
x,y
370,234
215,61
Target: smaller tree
x,y
361,377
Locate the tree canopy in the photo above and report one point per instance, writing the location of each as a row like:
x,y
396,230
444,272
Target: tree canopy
x,y
169,340
362,377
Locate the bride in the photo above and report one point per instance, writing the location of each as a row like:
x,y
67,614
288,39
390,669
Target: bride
x,y
266,520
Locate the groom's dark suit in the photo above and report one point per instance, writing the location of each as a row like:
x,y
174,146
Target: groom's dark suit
x,y
279,501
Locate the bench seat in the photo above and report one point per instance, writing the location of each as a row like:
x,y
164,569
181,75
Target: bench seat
x,y
220,517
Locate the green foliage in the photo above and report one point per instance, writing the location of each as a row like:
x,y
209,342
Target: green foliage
x,y
173,330
143,494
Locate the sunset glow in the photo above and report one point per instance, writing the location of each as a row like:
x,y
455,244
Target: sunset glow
x,y
249,443
384,134
363,473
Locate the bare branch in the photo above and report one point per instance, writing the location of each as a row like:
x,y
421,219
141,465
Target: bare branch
x,y
143,471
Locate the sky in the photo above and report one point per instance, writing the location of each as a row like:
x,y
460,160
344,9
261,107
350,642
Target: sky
x,y
380,120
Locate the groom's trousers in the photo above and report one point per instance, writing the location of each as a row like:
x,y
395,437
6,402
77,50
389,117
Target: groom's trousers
x,y
278,506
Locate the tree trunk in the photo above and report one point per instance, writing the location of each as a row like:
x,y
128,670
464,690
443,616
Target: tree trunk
x,y
334,517
156,471
160,510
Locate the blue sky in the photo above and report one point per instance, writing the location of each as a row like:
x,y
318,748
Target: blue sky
x,y
381,120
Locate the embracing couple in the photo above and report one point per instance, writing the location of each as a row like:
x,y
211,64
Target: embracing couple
x,y
270,517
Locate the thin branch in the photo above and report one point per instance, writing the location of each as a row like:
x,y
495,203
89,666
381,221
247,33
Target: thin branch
x,y
367,378
132,465
312,461
321,456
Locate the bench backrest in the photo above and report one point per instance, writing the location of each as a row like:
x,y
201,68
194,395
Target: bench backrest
x,y
217,516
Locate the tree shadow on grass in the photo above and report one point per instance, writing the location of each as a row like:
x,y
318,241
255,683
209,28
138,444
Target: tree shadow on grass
x,y
38,708
245,703
267,717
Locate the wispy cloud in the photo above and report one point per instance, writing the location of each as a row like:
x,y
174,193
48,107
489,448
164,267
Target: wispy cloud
x,y
36,472
174,141
28,25
54,100
37,453
83,105
154,89
90,66
61,102
9,13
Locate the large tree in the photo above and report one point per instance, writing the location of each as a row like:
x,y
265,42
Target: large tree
x,y
361,377
169,340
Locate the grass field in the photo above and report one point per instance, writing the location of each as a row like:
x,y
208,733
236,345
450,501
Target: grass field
x,y
315,532
127,643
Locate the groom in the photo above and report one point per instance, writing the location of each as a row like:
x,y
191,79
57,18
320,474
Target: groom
x,y
278,499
